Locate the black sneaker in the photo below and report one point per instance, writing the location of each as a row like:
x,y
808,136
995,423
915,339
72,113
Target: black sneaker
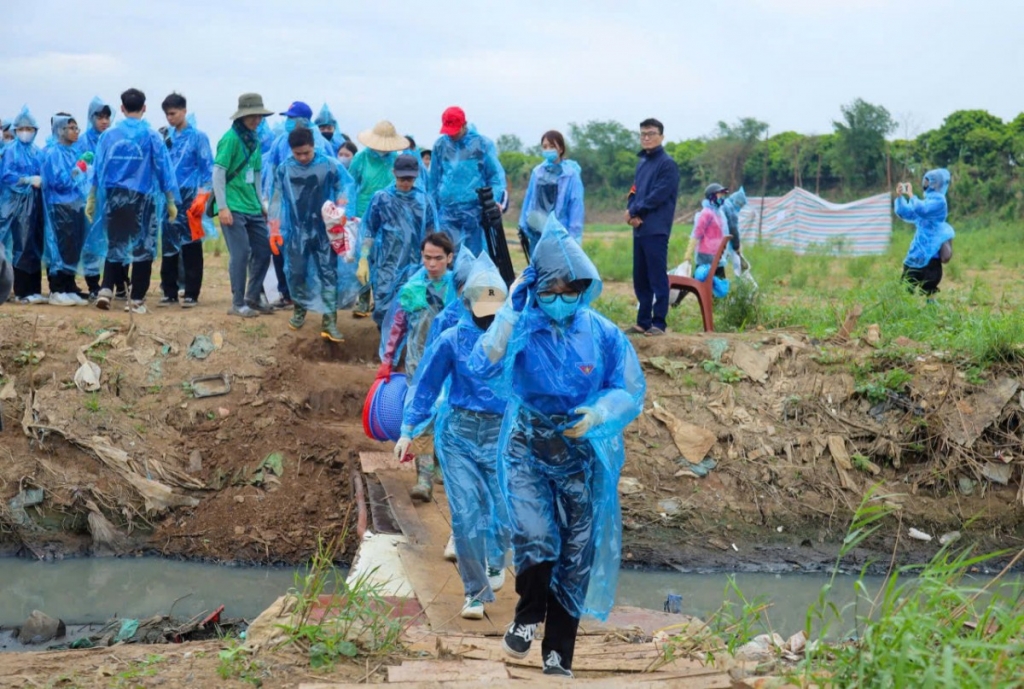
x,y
168,301
553,665
282,303
260,307
188,303
518,639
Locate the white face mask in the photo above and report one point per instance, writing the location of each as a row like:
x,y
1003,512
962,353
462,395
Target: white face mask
x,y
26,137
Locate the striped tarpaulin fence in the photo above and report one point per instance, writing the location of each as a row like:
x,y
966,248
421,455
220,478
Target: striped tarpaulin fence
x,y
806,223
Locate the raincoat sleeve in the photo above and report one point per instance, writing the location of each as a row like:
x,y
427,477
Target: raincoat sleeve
x,y
58,179
346,189
665,183
621,398
574,208
916,209
488,358
430,220
389,346
370,227
204,162
528,200
10,177
493,172
435,367
275,198
436,171
165,177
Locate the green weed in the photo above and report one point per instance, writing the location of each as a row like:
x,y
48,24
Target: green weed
x,y
724,372
92,403
879,386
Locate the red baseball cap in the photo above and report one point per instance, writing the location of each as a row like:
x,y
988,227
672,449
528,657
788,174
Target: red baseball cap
x,y
452,120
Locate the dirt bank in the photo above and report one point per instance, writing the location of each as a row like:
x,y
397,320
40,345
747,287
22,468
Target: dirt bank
x,y
796,433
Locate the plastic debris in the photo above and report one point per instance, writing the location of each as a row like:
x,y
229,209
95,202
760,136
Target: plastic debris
x,y
202,346
918,535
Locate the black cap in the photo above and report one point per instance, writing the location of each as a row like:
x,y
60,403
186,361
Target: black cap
x,y
407,166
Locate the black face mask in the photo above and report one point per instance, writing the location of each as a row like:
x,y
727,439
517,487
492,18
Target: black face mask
x,y
328,135
483,322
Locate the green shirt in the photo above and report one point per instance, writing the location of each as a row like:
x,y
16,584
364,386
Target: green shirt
x,y
372,172
241,194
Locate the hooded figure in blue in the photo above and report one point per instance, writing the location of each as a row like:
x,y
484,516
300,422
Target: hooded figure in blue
x,y
397,220
133,185
328,127
302,184
65,186
95,251
471,420
731,208
461,162
922,268
573,383
21,209
555,187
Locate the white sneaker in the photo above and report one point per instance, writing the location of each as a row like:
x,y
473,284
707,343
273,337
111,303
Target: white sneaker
x,y
473,609
79,301
37,299
61,299
138,307
496,578
449,550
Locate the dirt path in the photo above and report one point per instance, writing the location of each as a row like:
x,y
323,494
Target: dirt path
x,y
141,465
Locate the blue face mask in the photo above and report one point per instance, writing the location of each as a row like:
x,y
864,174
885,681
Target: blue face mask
x,y
559,311
550,154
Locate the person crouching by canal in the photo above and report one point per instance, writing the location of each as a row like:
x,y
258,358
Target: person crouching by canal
x,y
932,243
301,185
573,383
467,448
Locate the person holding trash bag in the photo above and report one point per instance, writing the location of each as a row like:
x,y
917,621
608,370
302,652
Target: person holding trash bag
x,y
573,383
242,211
95,251
555,187
406,330
65,187
21,209
192,160
134,183
396,221
461,162
709,227
304,184
932,243
731,207
471,420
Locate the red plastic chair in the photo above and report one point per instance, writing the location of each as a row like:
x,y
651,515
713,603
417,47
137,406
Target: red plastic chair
x,y
701,289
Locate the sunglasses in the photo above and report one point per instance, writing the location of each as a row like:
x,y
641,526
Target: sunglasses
x,y
567,297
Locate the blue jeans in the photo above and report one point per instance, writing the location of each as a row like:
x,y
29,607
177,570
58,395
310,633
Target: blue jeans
x,y
650,280
248,241
469,449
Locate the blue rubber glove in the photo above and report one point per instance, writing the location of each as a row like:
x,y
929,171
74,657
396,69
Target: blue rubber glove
x,y
522,285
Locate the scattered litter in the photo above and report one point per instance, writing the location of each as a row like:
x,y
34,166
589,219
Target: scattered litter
x,y
210,386
735,548
674,603
202,346
26,498
629,486
218,340
129,628
966,420
873,335
672,367
717,346
752,362
669,506
223,412
966,485
951,537
272,464
195,462
87,377
778,529
699,470
918,535
8,392
997,473
692,441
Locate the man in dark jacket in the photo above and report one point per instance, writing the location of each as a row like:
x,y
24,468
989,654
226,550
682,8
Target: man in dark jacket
x,y
651,209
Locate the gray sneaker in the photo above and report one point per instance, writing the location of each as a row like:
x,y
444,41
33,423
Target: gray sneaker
x,y
242,312
103,299
261,308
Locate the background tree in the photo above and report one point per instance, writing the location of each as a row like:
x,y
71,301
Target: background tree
x,y
859,151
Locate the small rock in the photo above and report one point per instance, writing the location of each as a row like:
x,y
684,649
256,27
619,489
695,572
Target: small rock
x,y
239,499
239,530
224,412
873,335
797,642
629,486
40,628
997,473
779,529
195,462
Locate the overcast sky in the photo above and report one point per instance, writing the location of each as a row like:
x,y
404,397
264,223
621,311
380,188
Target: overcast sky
x,y
526,66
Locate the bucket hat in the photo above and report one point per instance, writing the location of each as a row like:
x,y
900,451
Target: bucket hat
x,y
250,104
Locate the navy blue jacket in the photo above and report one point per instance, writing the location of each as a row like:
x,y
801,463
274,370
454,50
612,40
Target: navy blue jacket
x,y
657,186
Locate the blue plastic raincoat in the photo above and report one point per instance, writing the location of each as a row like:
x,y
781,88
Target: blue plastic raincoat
x,y
457,169
65,187
325,117
734,203
95,250
298,193
406,327
561,492
192,161
133,176
280,151
267,137
929,216
554,188
448,318
467,426
21,204
396,222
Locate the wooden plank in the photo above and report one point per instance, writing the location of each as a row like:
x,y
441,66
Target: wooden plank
x,y
540,681
397,487
446,671
372,462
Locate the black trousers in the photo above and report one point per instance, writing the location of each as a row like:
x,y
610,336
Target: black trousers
x,y
141,275
926,279
27,284
191,261
282,278
62,282
538,604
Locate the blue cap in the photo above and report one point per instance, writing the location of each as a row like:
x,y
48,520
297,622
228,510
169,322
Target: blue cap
x,y
299,109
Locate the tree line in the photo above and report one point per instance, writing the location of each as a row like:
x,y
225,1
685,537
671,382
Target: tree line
x,y
858,158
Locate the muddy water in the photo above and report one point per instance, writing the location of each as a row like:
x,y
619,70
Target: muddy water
x,y
94,590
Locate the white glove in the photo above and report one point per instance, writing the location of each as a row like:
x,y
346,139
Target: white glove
x,y
737,264
686,269
402,447
580,428
36,181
